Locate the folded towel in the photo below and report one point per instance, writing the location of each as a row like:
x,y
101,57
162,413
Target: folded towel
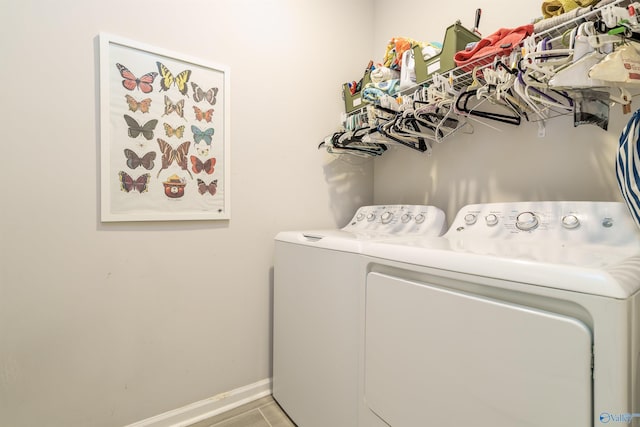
x,y
374,91
381,74
557,7
499,43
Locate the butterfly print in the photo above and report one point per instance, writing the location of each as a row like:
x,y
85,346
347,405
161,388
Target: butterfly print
x,y
136,129
201,135
134,161
198,166
203,188
128,184
177,132
202,149
131,82
170,154
167,79
135,105
170,107
199,94
203,115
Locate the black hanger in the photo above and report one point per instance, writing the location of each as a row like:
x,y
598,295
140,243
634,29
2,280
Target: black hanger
x,y
462,104
419,143
344,142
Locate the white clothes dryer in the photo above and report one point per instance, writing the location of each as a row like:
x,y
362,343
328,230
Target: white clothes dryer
x,y
522,314
317,277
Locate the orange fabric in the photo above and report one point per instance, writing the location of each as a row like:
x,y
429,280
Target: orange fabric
x,y
396,47
502,42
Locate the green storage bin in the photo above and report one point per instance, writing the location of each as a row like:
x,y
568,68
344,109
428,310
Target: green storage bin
x,y
355,101
456,39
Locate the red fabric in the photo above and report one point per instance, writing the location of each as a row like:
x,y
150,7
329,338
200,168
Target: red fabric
x,y
499,43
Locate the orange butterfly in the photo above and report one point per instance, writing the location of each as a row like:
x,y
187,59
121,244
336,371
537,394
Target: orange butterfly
x,y
198,165
203,115
135,105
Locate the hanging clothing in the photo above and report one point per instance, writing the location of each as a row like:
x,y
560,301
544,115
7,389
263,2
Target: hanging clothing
x,y
627,166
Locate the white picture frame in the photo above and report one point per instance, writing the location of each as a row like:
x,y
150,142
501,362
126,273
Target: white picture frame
x,y
164,134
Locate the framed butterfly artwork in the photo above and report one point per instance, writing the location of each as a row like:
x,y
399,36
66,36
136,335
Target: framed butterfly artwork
x,y
164,134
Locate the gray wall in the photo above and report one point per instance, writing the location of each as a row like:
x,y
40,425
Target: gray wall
x,y
107,324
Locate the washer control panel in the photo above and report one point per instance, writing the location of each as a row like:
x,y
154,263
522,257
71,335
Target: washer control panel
x,y
585,222
399,220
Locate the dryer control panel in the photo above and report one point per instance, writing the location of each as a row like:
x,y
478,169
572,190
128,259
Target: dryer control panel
x,y
398,220
608,223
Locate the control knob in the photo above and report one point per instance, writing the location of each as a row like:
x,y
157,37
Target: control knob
x,y
405,218
420,218
371,217
570,221
386,217
526,221
491,219
470,218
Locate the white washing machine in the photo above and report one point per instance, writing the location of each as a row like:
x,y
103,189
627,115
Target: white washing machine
x,y
522,314
317,279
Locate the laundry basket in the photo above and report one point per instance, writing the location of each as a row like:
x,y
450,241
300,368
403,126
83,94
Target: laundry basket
x,y
456,39
354,101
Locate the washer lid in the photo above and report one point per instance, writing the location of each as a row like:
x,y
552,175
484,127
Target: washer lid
x,y
588,247
595,270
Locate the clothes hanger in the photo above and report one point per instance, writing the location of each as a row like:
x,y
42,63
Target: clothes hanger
x,y
416,143
465,105
449,125
545,101
355,145
535,72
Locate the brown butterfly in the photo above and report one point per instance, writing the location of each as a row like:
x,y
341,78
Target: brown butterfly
x,y
134,161
203,188
170,154
199,94
128,184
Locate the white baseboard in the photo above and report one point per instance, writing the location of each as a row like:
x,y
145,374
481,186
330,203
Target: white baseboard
x,y
210,407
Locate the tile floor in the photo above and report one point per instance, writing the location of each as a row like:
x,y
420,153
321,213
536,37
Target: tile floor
x,y
263,412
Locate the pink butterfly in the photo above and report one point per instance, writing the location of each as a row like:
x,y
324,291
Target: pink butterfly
x,y
131,82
